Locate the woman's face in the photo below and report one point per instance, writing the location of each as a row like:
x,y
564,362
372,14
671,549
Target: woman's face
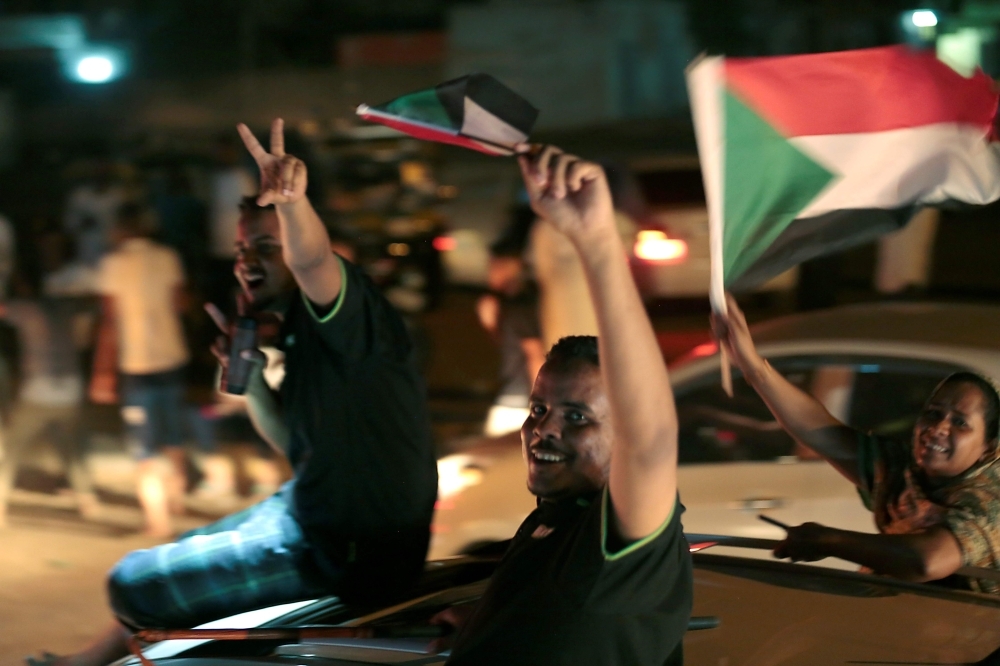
x,y
950,435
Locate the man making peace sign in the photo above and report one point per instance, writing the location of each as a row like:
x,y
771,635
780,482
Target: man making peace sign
x,y
355,520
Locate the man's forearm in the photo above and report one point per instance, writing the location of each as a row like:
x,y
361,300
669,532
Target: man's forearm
x,y
265,413
306,247
636,376
304,239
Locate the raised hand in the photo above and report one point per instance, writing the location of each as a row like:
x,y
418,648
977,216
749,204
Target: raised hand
x,y
568,192
283,178
733,335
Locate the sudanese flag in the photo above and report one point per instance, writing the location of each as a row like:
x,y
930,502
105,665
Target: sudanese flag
x,y
475,111
810,154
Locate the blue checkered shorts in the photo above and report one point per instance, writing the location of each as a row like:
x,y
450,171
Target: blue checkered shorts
x,y
252,559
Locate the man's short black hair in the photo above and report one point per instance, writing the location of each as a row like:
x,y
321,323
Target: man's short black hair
x,y
249,207
574,348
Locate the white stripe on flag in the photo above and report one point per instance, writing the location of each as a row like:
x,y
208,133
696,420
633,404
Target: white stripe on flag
x,y
479,123
897,168
704,80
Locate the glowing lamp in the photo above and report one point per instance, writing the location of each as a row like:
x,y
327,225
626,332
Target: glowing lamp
x,y
924,18
445,243
95,69
652,245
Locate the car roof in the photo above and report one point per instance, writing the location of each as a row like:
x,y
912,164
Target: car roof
x,y
956,325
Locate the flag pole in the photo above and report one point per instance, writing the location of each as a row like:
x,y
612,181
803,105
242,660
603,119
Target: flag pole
x,y
704,80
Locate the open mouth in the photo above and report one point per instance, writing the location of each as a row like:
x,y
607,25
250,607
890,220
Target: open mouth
x,y
934,447
547,456
254,279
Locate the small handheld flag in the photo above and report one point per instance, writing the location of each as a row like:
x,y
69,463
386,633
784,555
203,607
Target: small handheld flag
x,y
475,111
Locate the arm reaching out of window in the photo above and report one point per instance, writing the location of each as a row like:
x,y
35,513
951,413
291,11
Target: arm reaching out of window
x,y
800,414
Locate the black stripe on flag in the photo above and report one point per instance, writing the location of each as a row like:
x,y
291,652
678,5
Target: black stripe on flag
x,y
490,94
812,237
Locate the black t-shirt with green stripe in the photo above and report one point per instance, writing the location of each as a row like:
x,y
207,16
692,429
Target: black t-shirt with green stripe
x,y
561,597
360,438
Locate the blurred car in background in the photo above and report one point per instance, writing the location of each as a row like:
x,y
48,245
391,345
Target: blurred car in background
x,y
872,366
746,612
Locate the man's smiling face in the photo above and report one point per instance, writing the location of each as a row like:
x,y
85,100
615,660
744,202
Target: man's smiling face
x,y
566,439
260,267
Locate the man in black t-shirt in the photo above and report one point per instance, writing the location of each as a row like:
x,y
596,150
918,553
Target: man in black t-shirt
x,y
355,520
600,572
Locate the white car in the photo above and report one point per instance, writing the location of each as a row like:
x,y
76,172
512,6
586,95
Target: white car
x,y
873,366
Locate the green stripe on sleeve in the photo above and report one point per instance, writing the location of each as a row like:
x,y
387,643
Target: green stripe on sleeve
x,y
340,297
632,547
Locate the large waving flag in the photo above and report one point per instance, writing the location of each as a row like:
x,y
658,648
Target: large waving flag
x,y
808,155
475,111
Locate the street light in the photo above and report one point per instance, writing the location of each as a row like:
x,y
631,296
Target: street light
x,y
95,69
923,18
94,64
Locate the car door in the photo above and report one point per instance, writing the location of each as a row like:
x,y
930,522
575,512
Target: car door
x,y
737,462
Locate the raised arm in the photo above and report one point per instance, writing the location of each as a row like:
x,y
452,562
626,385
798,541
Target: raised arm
x,y
304,240
573,195
801,415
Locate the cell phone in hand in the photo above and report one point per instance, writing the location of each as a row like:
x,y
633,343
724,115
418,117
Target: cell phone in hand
x,y
244,337
772,521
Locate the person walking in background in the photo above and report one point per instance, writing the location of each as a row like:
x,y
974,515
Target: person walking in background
x,y
50,395
510,314
90,213
140,336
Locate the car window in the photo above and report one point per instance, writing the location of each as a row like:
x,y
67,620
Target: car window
x,y
717,428
889,393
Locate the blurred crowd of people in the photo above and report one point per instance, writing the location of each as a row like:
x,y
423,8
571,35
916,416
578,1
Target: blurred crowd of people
x,y
101,301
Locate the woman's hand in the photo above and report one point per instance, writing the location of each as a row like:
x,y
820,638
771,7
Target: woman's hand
x,y
733,334
569,193
806,543
283,178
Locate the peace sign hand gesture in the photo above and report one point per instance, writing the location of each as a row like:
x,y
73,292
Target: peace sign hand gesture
x,y
283,177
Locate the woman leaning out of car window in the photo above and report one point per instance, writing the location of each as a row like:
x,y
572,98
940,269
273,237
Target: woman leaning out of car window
x,y
936,499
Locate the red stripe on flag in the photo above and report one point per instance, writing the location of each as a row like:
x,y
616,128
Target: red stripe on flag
x,y
867,90
429,133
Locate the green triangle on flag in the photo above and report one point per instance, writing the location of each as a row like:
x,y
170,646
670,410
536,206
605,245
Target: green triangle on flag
x,y
423,106
774,183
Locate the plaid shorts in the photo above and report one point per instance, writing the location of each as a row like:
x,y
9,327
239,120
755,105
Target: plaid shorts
x,y
252,559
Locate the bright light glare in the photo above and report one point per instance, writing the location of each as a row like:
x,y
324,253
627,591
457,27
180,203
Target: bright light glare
x,y
95,69
445,243
655,246
924,18
456,473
